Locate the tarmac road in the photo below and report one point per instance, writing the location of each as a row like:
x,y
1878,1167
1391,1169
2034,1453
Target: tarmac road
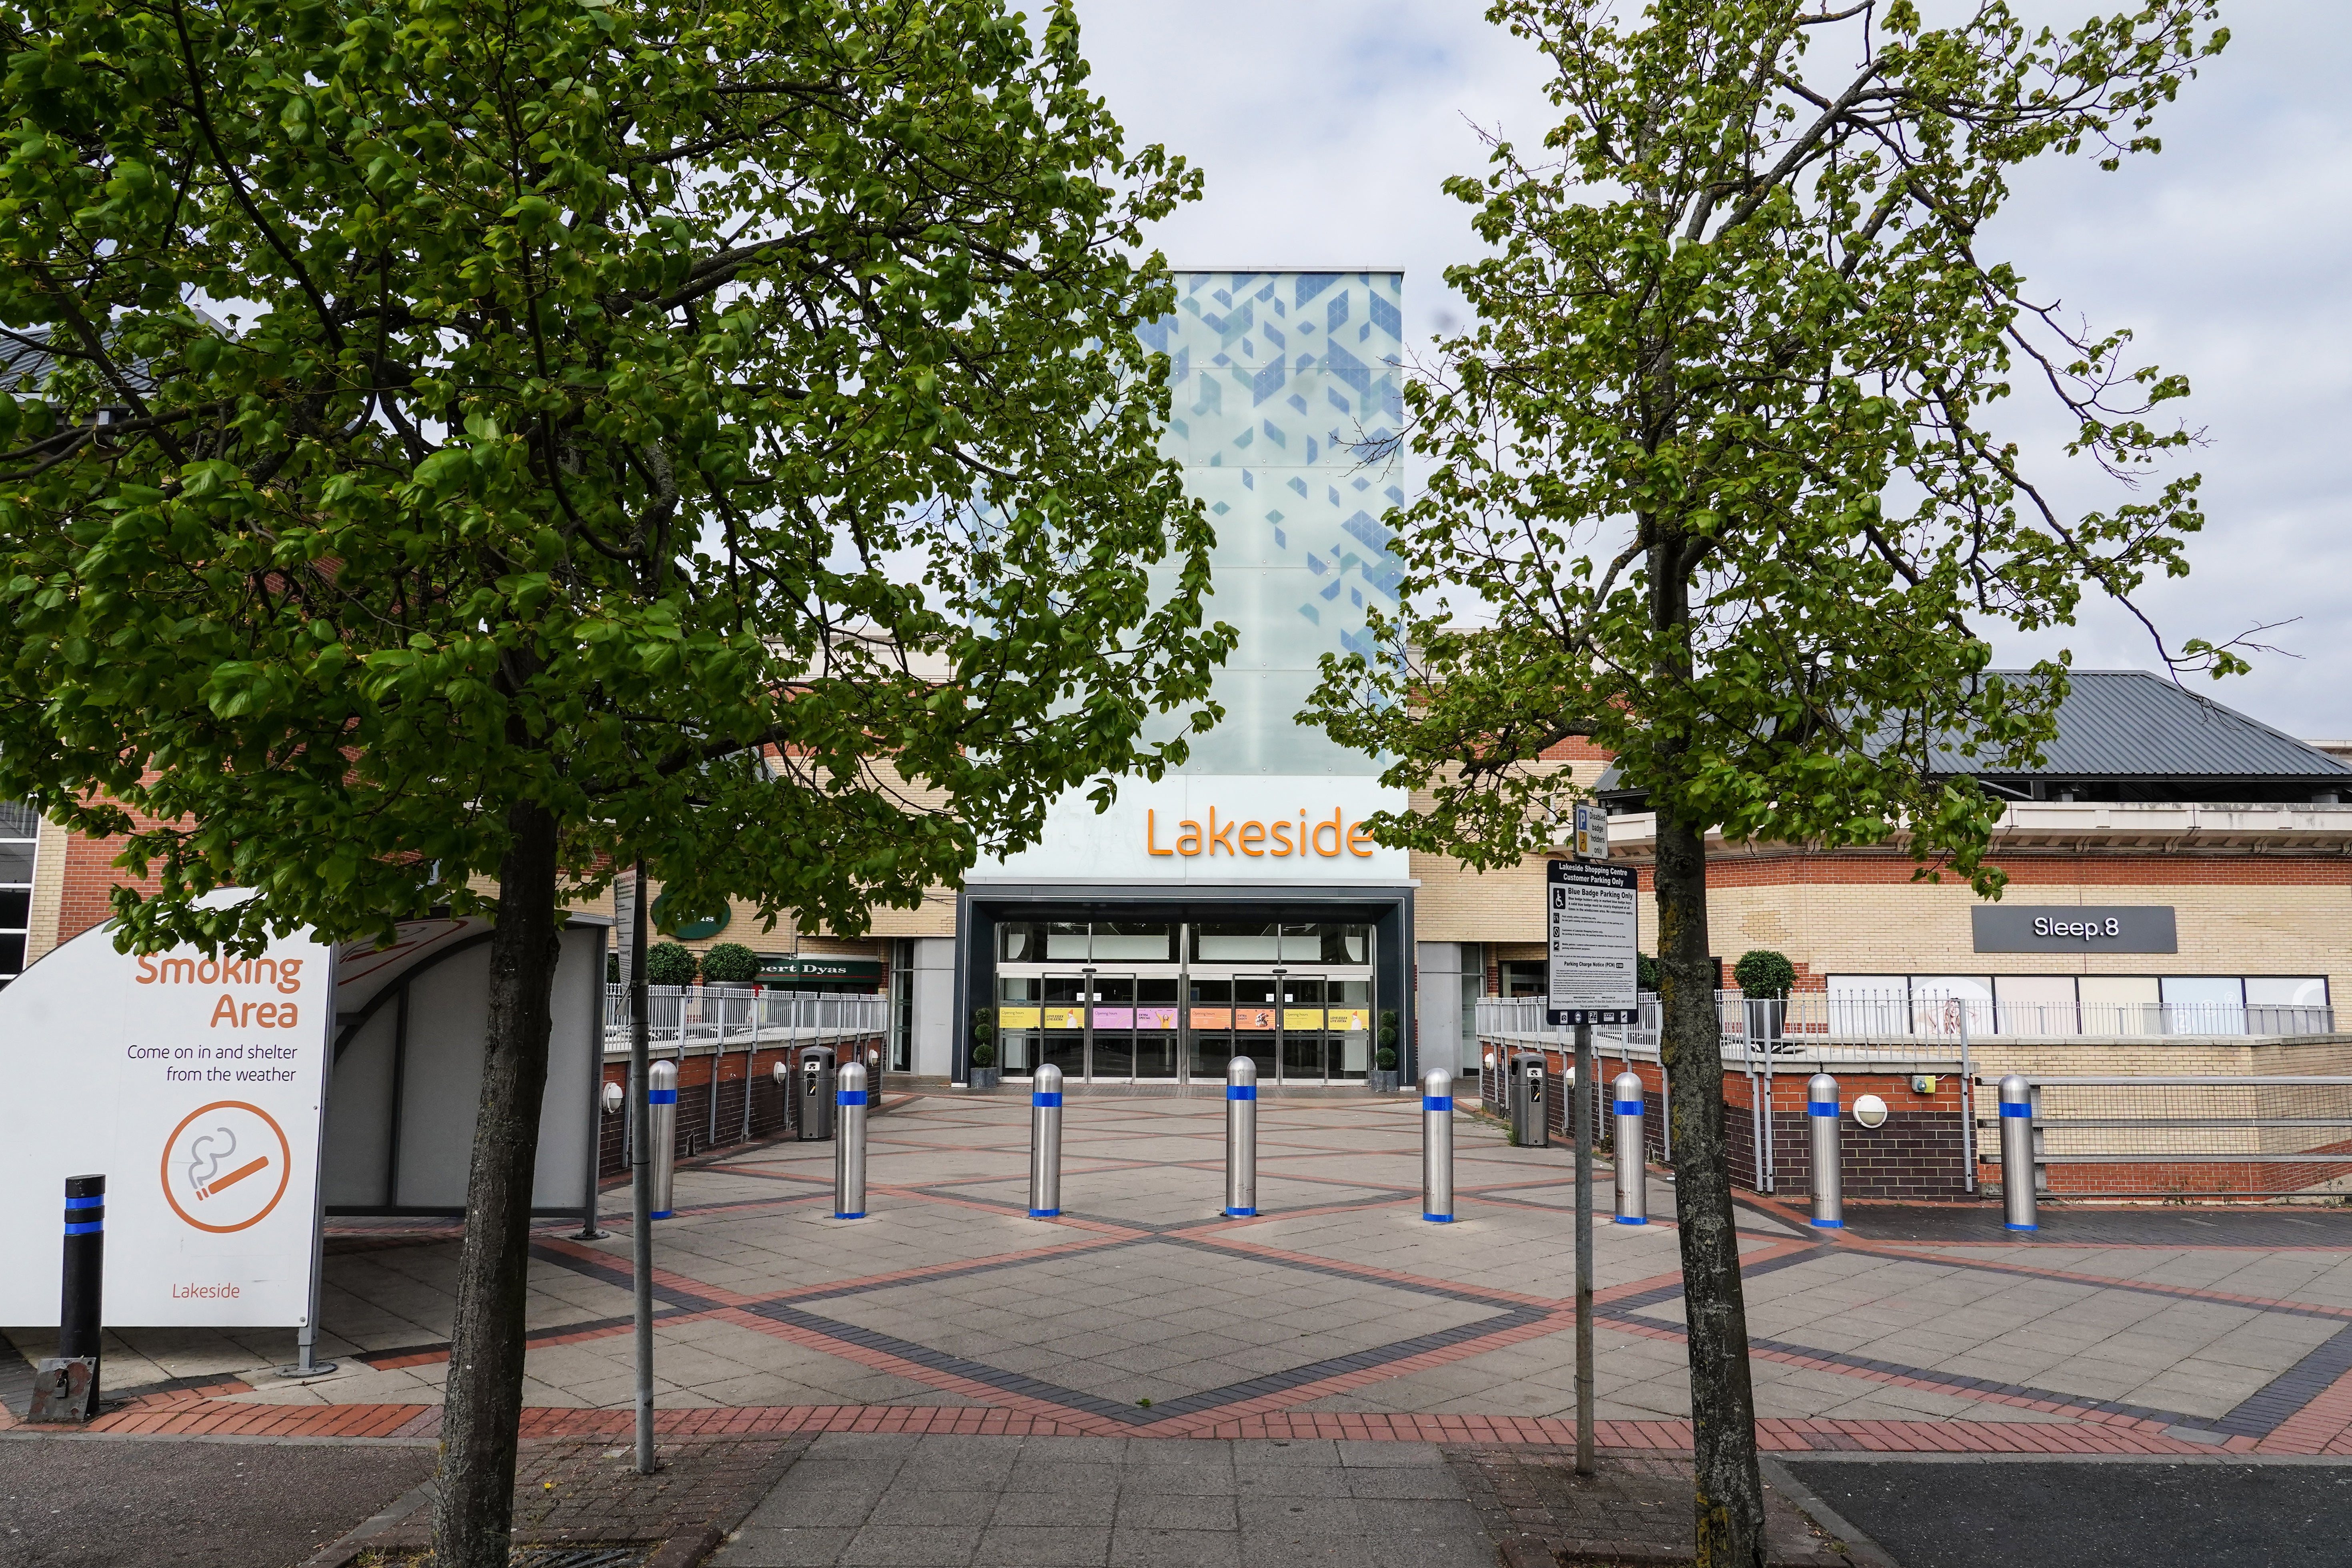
x,y
2015,1513
116,1503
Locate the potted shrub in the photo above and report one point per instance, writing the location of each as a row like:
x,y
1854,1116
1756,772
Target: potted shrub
x,y
1383,1079
730,963
983,1074
1764,978
670,964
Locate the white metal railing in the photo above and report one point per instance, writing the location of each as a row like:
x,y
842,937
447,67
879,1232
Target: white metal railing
x,y
1801,1023
680,1018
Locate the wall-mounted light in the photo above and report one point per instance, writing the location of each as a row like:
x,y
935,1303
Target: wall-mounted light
x,y
612,1098
1870,1110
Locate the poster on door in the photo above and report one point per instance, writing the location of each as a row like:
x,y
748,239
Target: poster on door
x,y
193,1086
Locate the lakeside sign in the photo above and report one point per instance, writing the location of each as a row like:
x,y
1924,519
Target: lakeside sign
x,y
2075,928
1590,923
195,1086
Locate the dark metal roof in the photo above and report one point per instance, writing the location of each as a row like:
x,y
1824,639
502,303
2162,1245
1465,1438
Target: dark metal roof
x,y
2132,724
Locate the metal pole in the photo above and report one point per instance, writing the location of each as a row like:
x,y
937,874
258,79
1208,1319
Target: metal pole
x,y
1241,1138
1633,1169
1581,1104
2017,1196
1829,1186
848,1142
641,1174
662,1107
1437,1147
1045,1142
1969,1107
751,1058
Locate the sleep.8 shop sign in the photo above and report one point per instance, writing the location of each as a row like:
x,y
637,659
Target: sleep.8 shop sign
x,y
2075,928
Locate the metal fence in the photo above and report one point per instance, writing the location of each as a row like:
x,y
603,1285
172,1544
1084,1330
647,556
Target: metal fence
x,y
2206,1136
703,1017
1801,1023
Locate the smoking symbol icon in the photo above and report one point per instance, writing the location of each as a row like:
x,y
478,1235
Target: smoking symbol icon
x,y
208,1152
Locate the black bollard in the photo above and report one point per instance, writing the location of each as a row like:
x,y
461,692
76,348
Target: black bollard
x,y
65,1386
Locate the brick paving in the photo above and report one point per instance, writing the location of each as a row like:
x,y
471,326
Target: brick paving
x,y
1628,1510
1336,1314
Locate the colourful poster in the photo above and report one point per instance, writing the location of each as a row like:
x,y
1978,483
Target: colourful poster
x,y
1302,1019
1349,1020
1155,1017
1120,1019
1065,1017
1254,1017
1218,1018
1017,1018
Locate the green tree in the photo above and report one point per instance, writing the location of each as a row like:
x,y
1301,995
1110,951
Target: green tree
x,y
1714,482
712,436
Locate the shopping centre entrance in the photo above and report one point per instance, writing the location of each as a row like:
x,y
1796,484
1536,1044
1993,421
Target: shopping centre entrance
x,y
1173,1001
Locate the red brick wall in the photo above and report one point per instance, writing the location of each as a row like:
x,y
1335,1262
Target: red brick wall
x,y
90,876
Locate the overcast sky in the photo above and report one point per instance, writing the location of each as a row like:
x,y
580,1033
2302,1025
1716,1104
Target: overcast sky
x,y
1325,126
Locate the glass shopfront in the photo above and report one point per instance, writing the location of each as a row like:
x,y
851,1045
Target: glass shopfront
x,y
1174,1001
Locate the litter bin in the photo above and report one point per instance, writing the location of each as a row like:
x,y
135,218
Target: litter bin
x,y
812,1096
1530,1118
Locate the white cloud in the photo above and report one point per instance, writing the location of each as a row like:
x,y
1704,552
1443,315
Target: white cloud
x,y
1326,128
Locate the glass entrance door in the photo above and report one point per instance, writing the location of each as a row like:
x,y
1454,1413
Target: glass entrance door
x,y
1253,1025
1062,1040
1302,1029
1112,1029
1158,1031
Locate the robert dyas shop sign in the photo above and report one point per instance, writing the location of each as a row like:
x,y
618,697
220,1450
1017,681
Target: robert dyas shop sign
x,y
195,1085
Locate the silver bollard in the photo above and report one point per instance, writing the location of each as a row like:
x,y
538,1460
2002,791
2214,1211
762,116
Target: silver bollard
x,y
1828,1188
849,1144
1241,1138
2017,1195
661,1128
1045,1142
1437,1147
1632,1154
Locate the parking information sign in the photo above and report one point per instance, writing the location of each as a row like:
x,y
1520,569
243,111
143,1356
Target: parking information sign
x,y
1591,922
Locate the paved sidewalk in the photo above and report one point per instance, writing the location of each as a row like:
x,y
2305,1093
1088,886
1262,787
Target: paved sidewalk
x,y
1339,1313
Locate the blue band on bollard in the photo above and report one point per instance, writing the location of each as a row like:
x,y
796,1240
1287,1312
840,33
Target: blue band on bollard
x,y
850,1096
1437,1102
1829,1225
1439,1218
1241,1213
1045,1097
85,1227
1241,1091
1629,1107
2017,1108
661,1214
1044,1214
661,1096
1821,1107
2008,1226
1622,1220
859,1215
97,1202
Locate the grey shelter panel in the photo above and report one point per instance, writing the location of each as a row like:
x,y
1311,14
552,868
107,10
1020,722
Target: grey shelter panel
x,y
406,1085
356,1156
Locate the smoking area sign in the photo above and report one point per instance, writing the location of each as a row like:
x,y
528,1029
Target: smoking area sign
x,y
1590,922
195,1086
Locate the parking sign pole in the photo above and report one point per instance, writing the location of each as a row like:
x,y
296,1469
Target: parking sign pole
x,y
1582,1106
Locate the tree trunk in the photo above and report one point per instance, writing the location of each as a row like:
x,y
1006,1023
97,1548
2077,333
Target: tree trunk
x,y
1730,1494
474,1515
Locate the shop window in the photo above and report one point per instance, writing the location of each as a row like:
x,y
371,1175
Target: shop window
x,y
1227,943
2288,1004
2120,1004
2204,1004
1020,941
1135,942
1870,1006
20,825
1315,943
1522,977
1943,1005
2036,1005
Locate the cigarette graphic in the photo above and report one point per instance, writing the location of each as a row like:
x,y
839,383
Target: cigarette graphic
x,y
233,1177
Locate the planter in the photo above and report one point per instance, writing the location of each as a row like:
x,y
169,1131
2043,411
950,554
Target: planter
x,y
1382,1082
985,1078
